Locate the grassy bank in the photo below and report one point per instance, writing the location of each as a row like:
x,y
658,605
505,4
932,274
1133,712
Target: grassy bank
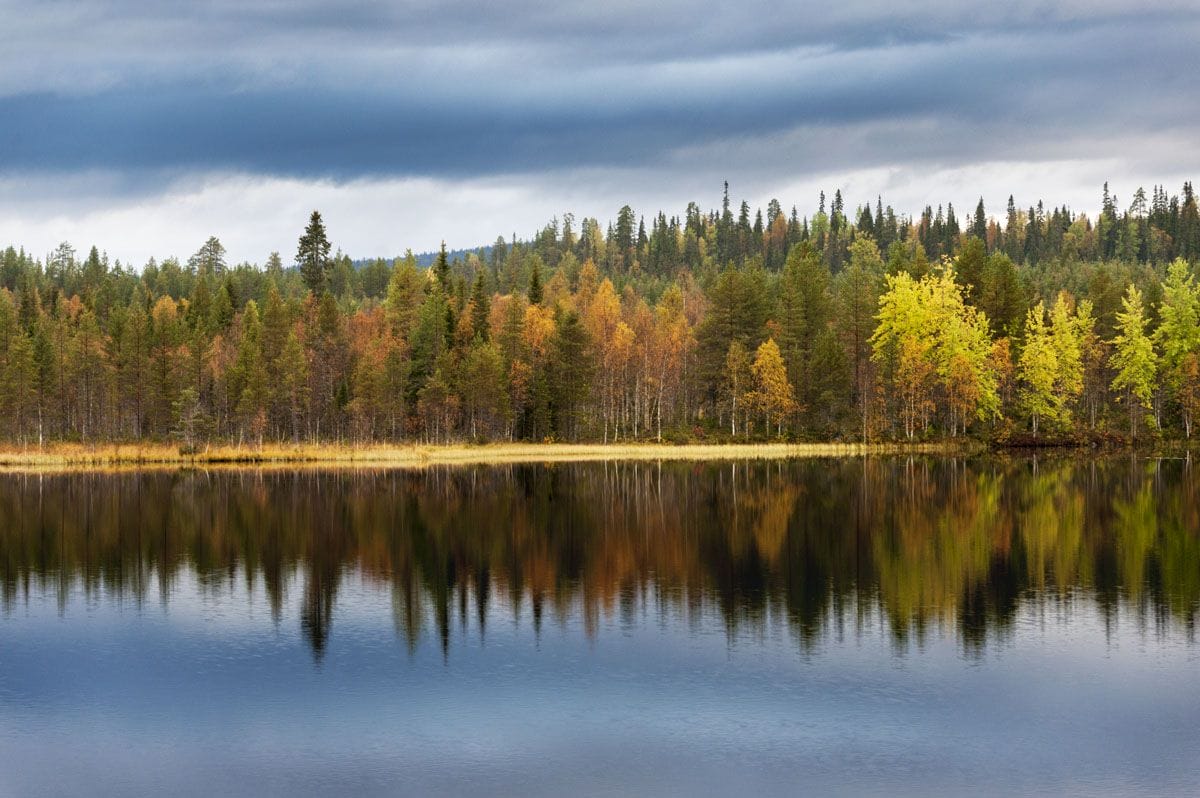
x,y
101,456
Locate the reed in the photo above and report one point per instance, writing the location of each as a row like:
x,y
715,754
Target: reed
x,y
83,456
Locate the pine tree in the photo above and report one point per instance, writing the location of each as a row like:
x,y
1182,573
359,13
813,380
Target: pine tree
x,y
209,259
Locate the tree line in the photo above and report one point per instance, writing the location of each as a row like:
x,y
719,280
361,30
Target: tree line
x,y
710,325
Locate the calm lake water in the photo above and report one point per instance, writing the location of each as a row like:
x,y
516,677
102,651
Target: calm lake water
x,y
881,626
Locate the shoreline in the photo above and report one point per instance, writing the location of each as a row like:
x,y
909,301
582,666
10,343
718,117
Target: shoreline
x,y
88,457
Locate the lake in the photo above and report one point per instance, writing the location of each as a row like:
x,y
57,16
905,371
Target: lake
x,y
1004,625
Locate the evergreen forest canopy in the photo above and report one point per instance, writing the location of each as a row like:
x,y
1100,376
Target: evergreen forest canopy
x,y
710,325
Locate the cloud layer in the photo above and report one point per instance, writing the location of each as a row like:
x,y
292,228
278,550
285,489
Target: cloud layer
x,y
108,106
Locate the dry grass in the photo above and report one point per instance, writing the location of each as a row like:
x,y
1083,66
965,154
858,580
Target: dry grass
x,y
79,456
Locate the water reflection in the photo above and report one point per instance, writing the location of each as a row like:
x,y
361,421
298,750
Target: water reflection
x,y
917,544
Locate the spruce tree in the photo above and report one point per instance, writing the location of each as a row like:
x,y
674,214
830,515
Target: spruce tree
x,y
481,307
571,373
979,223
535,284
441,268
312,255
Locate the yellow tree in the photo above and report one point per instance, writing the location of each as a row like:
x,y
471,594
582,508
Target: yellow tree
x,y
673,341
928,340
962,389
773,394
618,357
1093,355
602,317
1036,370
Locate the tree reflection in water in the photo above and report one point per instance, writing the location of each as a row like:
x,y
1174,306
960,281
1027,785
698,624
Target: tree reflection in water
x,y
819,545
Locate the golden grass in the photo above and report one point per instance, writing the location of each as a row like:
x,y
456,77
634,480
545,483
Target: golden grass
x,y
81,456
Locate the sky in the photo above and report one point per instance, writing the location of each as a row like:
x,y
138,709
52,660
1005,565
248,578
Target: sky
x,y
145,127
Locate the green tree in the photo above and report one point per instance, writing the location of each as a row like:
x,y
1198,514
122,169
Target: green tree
x,y
429,340
1133,357
1037,370
535,283
292,368
312,255
1002,297
1178,334
441,268
481,307
247,382
970,268
857,300
19,394
209,259
405,292
803,315
276,325
572,369
483,389
738,311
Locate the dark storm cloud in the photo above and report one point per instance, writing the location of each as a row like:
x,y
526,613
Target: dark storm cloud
x,y
457,89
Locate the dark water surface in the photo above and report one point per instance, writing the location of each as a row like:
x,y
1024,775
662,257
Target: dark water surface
x,y
882,626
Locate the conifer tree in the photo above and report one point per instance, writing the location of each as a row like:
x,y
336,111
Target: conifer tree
x,y
572,368
441,268
312,255
535,283
481,307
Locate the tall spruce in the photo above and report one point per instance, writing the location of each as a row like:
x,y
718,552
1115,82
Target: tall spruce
x,y
312,255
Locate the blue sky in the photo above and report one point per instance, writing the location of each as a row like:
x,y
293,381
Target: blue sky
x,y
145,127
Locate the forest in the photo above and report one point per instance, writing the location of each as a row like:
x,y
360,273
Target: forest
x,y
1041,325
